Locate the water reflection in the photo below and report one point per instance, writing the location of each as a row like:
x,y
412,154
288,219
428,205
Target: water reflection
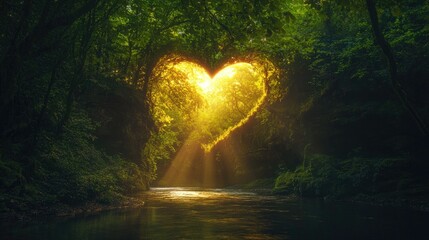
x,y
184,194
192,213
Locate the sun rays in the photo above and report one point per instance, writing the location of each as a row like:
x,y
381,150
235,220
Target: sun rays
x,y
193,167
202,111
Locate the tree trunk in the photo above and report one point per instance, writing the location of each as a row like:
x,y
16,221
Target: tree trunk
x,y
42,112
78,76
393,68
18,51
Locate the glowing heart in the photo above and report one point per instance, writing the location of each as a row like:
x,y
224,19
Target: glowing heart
x,y
219,104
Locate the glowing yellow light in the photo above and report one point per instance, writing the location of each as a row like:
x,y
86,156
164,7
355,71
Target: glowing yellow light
x,y
205,86
197,76
185,97
185,194
229,99
229,71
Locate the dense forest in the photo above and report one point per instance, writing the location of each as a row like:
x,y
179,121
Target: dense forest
x,y
94,106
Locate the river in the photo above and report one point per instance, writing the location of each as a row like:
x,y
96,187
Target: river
x,y
191,213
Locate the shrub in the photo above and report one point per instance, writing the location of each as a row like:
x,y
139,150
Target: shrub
x,y
327,176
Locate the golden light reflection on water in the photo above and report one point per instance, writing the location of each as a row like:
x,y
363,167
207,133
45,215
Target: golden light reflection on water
x,y
181,194
192,194
209,213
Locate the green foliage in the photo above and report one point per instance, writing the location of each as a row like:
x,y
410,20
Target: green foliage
x,y
74,170
328,176
70,170
11,173
159,150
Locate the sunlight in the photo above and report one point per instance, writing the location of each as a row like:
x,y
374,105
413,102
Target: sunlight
x,y
182,194
230,98
180,171
212,170
205,86
185,194
196,75
229,71
207,108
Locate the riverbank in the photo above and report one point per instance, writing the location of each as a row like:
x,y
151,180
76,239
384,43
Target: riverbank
x,y
417,202
64,210
392,199
412,199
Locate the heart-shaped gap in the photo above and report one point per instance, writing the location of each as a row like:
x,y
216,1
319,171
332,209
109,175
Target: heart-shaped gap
x,y
186,98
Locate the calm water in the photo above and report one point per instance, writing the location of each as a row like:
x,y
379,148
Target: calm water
x,y
189,213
